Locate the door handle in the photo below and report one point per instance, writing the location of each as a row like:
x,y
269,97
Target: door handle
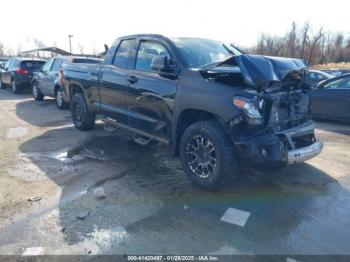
x,y
132,79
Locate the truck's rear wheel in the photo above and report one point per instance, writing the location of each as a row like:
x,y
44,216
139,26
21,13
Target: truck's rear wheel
x,y
208,155
83,119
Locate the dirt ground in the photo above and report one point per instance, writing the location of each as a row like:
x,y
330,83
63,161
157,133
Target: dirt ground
x,y
71,192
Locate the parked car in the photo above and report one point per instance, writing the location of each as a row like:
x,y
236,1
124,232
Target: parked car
x,y
331,99
217,107
47,82
2,63
336,72
316,76
18,73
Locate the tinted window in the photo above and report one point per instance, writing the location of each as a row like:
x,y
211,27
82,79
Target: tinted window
x,y
315,76
86,61
339,83
32,65
147,51
57,65
122,56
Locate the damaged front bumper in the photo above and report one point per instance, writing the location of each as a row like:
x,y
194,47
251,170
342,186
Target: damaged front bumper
x,y
305,153
289,146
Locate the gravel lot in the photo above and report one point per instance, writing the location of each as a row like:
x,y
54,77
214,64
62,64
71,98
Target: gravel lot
x,y
68,192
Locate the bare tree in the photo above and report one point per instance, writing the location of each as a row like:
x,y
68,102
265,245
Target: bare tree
x,y
314,45
317,48
305,38
292,40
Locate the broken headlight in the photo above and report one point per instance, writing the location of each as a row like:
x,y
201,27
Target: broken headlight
x,y
251,109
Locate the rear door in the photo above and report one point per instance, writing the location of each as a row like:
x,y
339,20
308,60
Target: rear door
x,y
332,100
113,83
43,77
151,94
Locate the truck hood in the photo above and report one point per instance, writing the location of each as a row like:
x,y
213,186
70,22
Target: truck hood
x,y
262,71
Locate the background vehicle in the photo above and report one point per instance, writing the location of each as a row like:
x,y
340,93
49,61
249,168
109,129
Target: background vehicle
x,y
18,72
2,62
331,99
336,72
47,82
216,106
316,76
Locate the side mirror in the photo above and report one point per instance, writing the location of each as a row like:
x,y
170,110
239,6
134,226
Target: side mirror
x,y
163,65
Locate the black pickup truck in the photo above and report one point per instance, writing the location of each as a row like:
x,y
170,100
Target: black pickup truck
x,y
216,106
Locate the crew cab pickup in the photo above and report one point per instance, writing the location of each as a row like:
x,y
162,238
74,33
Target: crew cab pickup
x,y
216,106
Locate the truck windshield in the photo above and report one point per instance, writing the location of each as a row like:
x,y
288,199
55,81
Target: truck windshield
x,y
198,52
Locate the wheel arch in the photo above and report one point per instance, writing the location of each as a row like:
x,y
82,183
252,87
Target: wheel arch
x,y
188,117
75,88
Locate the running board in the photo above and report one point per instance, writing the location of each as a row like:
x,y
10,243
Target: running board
x,y
143,141
110,125
113,122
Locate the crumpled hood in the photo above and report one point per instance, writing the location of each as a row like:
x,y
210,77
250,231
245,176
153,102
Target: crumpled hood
x,y
260,71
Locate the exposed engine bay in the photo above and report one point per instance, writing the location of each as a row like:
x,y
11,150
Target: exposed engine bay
x,y
275,89
275,104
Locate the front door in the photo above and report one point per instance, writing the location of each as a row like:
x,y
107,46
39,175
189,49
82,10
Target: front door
x,y
151,95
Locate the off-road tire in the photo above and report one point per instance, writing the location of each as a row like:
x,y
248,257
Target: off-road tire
x,y
226,168
83,119
37,95
60,103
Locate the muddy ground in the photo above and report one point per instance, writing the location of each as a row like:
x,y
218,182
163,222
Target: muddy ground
x,y
71,192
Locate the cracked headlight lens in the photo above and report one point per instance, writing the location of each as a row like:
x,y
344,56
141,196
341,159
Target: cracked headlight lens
x,y
250,110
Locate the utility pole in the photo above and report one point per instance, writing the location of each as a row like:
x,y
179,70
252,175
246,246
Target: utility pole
x,y
70,43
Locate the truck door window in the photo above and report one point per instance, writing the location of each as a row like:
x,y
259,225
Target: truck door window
x,y
122,55
147,51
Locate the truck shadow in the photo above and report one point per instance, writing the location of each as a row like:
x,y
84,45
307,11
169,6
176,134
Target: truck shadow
x,y
148,202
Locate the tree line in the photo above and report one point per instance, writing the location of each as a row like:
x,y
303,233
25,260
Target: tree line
x,y
317,47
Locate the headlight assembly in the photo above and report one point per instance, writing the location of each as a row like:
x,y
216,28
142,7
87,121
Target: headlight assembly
x,y
250,109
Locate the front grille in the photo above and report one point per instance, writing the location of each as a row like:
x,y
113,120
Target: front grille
x,y
289,109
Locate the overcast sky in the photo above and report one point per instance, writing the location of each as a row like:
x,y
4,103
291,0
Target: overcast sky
x,y
94,22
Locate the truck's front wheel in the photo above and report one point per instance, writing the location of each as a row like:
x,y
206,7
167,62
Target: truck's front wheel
x,y
83,119
208,155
